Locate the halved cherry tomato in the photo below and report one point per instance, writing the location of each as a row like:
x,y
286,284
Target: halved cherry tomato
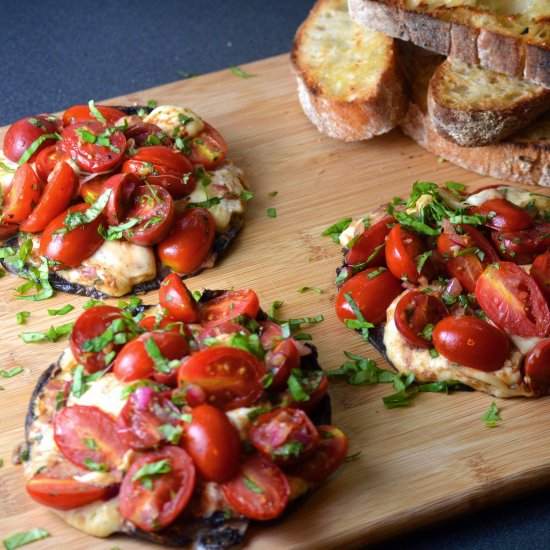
x,y
139,420
94,146
122,187
176,298
260,489
513,301
46,160
328,457
54,200
82,113
138,358
521,247
147,134
271,333
87,436
372,291
467,269
7,230
166,323
163,166
213,443
229,305
414,311
402,251
91,189
71,247
279,361
23,133
285,435
226,328
451,243
369,247
23,194
63,493
507,216
89,325
152,507
154,207
314,385
189,243
537,368
540,271
471,342
230,377
208,148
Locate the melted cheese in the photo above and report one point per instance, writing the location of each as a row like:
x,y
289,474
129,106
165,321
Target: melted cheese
x,y
6,175
103,393
115,268
176,121
477,199
99,519
505,382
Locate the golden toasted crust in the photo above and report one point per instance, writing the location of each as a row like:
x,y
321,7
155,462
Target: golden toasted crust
x,y
473,107
522,158
349,81
504,36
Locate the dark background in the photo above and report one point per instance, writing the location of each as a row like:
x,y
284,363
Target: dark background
x,y
55,54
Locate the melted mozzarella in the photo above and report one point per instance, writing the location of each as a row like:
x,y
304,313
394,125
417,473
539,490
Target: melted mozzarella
x,y
99,519
354,229
6,175
115,268
176,121
103,393
525,345
477,199
505,382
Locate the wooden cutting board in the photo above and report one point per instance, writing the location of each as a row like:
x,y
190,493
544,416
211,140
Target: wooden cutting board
x,y
417,465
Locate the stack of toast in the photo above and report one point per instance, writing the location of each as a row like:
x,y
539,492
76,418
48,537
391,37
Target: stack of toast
x,y
469,80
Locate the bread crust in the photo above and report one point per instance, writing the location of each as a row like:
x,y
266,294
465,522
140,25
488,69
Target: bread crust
x,y
501,47
371,111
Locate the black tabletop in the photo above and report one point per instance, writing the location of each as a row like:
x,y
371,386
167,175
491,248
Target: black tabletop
x,y
55,54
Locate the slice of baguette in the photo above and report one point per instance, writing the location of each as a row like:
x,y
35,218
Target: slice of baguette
x,y
508,36
472,107
521,158
349,82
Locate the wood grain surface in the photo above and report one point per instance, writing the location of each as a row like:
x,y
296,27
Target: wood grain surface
x,y
417,465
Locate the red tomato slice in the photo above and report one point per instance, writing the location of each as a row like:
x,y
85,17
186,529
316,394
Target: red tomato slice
x,y
94,146
414,311
46,160
279,361
537,368
230,377
471,342
7,230
189,243
146,134
136,359
513,301
260,489
91,189
218,330
208,148
139,420
152,507
467,269
229,305
213,443
176,298
314,384
82,113
369,247
23,194
285,436
23,133
63,494
450,243
507,216
72,247
87,436
122,188
328,457
521,247
402,252
154,207
540,271
164,167
89,325
372,291
54,200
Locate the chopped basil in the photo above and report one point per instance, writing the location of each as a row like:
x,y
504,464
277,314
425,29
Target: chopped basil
x,y
249,484
114,232
422,260
90,443
21,317
272,193
185,74
491,416
161,363
275,306
151,104
267,380
95,112
6,168
362,371
63,311
79,218
92,303
246,195
376,272
237,71
336,229
360,323
150,470
353,456
290,450
296,388
272,212
427,332
95,466
11,373
453,186
21,539
247,342
209,203
52,334
131,388
35,145
316,289
171,433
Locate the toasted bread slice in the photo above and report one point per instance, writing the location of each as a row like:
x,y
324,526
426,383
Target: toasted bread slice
x,y
472,107
349,82
508,36
522,158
